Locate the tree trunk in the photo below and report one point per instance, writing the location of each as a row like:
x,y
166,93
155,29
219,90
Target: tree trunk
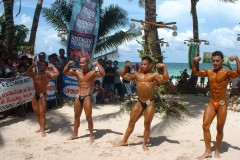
x,y
35,24
9,25
193,79
151,34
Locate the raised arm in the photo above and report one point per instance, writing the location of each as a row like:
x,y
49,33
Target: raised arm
x,y
29,71
67,69
235,73
164,77
196,72
125,74
101,71
54,71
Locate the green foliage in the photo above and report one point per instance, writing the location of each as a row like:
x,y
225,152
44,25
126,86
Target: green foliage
x,y
168,107
234,103
155,57
171,108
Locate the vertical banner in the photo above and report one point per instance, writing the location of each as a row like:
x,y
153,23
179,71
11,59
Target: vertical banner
x,y
207,58
83,29
192,53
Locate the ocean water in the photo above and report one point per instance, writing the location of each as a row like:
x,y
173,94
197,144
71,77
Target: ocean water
x,y
175,69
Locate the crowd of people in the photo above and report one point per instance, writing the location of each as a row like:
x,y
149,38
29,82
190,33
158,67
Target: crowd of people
x,y
107,89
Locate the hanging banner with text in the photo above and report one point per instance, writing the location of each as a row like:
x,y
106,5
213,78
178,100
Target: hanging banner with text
x,y
207,58
19,90
192,53
83,29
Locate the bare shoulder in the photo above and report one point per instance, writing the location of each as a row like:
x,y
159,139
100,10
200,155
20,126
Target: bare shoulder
x,y
209,71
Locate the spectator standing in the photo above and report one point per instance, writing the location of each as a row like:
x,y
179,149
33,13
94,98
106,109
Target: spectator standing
x,y
126,83
62,60
118,82
108,81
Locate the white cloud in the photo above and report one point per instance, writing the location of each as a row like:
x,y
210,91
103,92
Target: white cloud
x,y
24,19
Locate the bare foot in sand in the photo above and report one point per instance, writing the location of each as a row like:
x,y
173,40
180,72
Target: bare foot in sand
x,y
217,155
122,144
43,134
72,137
145,147
91,140
205,155
37,131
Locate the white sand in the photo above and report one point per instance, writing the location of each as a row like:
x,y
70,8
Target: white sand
x,y
170,139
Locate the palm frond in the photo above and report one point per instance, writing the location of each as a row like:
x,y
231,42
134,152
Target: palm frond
x,y
141,3
109,55
54,20
22,33
63,9
113,41
111,19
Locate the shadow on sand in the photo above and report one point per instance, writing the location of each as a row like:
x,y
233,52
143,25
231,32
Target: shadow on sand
x,y
224,146
1,140
156,141
56,121
99,133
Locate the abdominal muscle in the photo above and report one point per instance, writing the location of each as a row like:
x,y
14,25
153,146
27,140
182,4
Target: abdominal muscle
x,y
145,90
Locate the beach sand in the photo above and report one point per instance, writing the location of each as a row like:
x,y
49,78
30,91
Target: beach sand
x,y
170,139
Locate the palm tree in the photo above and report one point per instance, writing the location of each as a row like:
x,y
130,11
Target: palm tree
x,y
150,31
21,33
193,79
111,18
35,23
10,38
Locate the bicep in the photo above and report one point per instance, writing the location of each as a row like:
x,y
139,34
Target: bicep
x,y
160,79
71,73
233,74
129,77
201,73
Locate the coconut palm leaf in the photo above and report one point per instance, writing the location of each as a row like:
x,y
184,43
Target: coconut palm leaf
x,y
22,33
54,19
112,42
112,17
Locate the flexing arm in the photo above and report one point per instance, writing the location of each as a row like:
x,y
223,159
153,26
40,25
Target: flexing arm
x,y
29,71
196,72
67,70
54,72
235,73
124,73
162,78
100,68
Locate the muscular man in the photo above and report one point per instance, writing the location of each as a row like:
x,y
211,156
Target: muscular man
x,y
40,82
217,106
145,84
86,79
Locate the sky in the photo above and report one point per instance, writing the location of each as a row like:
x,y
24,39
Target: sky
x,y
218,23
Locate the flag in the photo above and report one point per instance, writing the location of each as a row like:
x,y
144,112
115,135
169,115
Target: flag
x,y
192,53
